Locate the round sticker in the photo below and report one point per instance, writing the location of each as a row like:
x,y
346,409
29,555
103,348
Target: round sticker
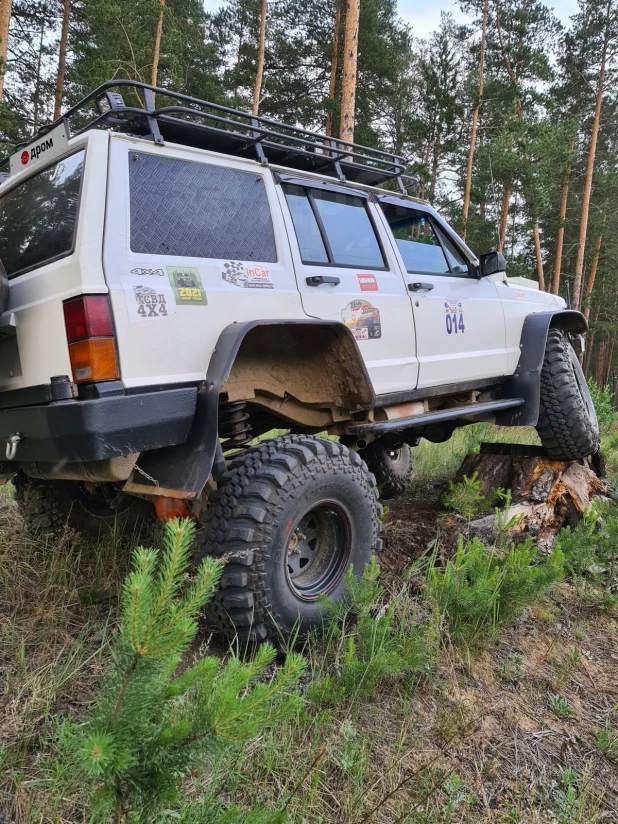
x,y
25,157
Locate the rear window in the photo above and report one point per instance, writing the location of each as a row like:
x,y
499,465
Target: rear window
x,y
189,209
38,218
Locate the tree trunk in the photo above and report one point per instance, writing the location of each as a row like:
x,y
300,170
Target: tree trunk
x,y
595,263
504,215
334,68
6,7
555,281
350,66
37,86
437,150
538,255
157,46
475,120
583,225
62,55
259,72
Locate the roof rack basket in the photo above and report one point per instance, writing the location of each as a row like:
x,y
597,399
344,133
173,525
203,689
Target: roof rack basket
x,y
193,122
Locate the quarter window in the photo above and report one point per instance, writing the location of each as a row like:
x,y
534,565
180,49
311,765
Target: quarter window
x,y
332,227
189,209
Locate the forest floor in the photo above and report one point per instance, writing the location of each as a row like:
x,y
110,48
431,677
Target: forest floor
x,y
522,728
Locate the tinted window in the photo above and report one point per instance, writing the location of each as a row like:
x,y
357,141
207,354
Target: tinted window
x,y
310,241
38,217
419,246
194,210
332,227
350,235
455,257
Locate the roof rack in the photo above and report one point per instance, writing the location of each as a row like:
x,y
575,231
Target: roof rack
x,y
194,122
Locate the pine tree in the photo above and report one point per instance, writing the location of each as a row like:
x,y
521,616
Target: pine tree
x,y
154,721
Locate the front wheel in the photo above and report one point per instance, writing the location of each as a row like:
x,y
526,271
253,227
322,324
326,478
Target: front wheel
x,y
288,519
567,424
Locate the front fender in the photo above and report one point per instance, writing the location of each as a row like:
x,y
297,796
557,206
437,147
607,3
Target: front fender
x,y
526,381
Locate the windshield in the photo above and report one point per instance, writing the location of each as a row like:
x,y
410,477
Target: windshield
x,y
38,217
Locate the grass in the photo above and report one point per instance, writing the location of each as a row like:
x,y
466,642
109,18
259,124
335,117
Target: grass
x,y
399,722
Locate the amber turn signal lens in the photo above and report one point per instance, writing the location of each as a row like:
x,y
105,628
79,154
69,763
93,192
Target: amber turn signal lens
x,y
94,360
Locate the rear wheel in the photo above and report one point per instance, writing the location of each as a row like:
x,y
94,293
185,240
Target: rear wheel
x,y
48,507
567,424
288,519
391,464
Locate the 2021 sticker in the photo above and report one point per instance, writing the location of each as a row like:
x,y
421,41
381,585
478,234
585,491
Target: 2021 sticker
x,y
187,285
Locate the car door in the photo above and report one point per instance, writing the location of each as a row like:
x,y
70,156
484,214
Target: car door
x,y
346,272
459,319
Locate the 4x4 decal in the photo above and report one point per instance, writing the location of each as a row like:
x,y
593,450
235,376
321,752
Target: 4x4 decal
x,y
150,303
238,274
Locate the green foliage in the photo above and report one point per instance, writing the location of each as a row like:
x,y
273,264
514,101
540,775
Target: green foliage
x,y
368,640
602,399
560,707
154,722
592,547
607,740
480,590
464,498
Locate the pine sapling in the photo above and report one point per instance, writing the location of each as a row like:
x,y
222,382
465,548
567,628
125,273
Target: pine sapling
x,y
151,725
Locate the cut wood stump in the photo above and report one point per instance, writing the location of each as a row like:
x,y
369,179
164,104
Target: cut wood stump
x,y
546,494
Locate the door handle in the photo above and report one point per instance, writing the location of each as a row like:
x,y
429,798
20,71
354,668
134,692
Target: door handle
x,y
318,280
420,287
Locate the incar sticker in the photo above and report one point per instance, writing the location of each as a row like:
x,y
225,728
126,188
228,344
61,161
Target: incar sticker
x,y
368,283
363,319
187,285
246,277
149,272
454,317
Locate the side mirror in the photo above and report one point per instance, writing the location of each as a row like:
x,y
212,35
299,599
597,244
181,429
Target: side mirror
x,y
491,264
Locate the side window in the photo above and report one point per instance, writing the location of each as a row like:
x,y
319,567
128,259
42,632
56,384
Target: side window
x,y
334,228
179,207
456,259
418,243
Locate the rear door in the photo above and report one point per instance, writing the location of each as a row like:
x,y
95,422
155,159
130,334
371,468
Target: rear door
x,y
346,272
460,326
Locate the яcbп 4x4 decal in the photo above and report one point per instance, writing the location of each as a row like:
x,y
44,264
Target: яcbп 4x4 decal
x,y
363,319
187,285
150,304
256,277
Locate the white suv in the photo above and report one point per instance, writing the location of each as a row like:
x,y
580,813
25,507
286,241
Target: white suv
x,y
182,278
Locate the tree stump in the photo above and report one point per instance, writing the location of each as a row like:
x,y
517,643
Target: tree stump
x,y
546,494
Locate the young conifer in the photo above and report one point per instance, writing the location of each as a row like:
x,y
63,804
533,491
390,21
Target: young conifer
x,y
151,726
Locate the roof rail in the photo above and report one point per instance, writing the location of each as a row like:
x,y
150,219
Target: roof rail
x,y
193,122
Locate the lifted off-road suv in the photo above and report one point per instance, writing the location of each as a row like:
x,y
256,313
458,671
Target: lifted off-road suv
x,y
182,279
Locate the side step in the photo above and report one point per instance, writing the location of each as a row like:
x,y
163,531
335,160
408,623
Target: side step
x,y
472,410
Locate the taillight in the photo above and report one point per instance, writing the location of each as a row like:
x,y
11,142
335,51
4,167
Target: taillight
x,y
90,334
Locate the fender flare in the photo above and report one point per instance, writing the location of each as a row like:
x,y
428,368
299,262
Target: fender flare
x,y
182,470
526,381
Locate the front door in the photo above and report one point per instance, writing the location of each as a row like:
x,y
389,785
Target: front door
x,y
460,326
346,272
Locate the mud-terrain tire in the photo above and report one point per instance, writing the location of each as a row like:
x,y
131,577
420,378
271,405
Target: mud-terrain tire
x,y
289,517
567,424
391,466
49,507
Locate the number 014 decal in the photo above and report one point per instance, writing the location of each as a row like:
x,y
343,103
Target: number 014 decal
x,y
455,324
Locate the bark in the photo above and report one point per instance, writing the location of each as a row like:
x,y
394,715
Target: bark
x,y
590,342
62,55
555,281
6,7
475,120
595,263
157,46
350,67
538,255
334,68
259,73
504,215
583,225
437,151
37,87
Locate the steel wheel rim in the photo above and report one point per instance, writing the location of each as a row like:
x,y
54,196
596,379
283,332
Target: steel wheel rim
x,y
317,550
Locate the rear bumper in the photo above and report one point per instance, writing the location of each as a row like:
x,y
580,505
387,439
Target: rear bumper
x,y
93,430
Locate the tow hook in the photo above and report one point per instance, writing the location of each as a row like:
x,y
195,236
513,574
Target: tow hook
x,y
12,443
